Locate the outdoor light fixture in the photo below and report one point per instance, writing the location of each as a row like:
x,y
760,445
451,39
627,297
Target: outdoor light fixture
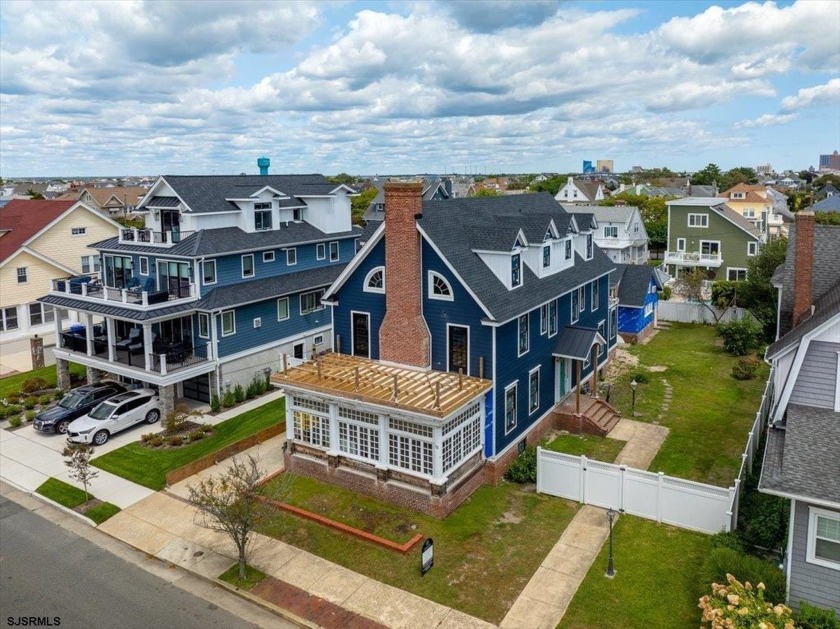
x,y
633,386
611,513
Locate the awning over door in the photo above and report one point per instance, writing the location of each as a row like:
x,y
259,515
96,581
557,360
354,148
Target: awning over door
x,y
576,342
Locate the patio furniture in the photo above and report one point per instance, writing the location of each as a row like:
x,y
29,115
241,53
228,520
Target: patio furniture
x,y
133,336
137,348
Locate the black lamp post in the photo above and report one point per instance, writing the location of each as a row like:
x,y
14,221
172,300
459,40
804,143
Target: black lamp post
x,y
633,386
610,568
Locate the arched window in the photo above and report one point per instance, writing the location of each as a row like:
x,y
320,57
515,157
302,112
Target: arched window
x,y
439,288
375,280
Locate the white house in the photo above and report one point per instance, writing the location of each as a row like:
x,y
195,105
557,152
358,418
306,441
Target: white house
x,y
580,191
621,232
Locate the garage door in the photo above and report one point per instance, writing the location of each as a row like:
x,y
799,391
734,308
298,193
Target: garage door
x,y
198,388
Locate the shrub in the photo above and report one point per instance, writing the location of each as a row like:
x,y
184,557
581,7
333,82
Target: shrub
x,y
13,409
175,440
215,404
206,428
722,561
4,411
15,421
724,293
196,435
156,441
59,393
250,392
731,540
665,295
260,385
745,368
762,520
34,384
739,605
813,617
641,376
13,398
228,400
238,394
739,336
524,467
29,403
147,437
45,399
30,415
176,421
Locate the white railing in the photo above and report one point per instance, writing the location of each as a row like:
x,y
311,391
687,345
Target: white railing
x,y
147,236
650,495
692,258
753,440
130,297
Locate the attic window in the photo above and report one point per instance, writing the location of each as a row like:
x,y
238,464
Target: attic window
x,y
515,270
297,215
439,288
568,249
375,281
611,232
548,235
546,256
589,251
517,244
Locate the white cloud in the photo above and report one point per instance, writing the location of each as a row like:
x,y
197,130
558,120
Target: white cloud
x,y
767,120
811,96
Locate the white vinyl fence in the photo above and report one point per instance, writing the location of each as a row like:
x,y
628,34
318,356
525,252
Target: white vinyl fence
x,y
648,495
694,312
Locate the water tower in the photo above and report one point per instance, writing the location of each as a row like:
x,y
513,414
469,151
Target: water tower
x,y
263,163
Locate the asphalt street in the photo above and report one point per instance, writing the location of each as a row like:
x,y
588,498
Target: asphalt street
x,y
53,574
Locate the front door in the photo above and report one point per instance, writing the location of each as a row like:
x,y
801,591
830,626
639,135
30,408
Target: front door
x,y
561,371
361,334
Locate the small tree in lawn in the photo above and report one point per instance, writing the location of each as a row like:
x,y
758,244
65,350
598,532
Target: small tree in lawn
x,y
691,286
176,420
78,460
229,503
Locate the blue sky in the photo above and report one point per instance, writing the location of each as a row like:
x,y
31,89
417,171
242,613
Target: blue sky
x,y
200,87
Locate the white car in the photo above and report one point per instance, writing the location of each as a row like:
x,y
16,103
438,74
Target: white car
x,y
114,415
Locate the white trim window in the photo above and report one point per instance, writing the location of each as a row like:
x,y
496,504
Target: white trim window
x,y
735,274
311,301
698,220
410,446
10,318
752,248
375,280
824,538
268,256
510,407
78,231
575,314
291,256
523,334
262,216
208,272
144,265
311,422
461,437
611,231
21,275
358,433
248,265
203,325
515,270
596,294
582,298
569,249
552,318
282,308
439,288
320,251
680,244
40,313
91,264
228,323
543,319
546,256
590,249
334,252
533,390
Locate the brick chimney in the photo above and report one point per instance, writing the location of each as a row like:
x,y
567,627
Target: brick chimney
x,y
403,336
803,265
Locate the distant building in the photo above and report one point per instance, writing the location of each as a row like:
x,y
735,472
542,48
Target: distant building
x,y
580,191
830,162
764,169
605,166
587,167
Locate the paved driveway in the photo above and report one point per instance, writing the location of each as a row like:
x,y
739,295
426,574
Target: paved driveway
x,y
28,458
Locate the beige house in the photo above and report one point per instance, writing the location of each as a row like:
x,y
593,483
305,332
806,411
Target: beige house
x,y
39,241
116,201
752,202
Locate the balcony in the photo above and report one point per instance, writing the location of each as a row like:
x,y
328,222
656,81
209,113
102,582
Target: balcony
x,y
166,356
135,295
146,236
693,258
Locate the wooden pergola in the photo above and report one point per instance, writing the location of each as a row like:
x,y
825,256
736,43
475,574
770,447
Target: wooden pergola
x,y
428,392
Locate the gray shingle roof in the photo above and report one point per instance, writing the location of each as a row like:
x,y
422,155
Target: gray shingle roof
x,y
575,342
211,242
457,226
824,274
826,307
633,280
604,213
802,458
107,309
829,204
208,193
269,288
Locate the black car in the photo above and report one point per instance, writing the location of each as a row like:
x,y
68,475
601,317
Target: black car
x,y
75,404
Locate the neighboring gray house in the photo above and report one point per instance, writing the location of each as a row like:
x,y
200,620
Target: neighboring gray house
x,y
433,190
621,232
828,204
802,455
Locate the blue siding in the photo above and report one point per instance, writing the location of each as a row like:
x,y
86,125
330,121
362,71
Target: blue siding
x,y
135,265
248,337
463,310
352,297
634,320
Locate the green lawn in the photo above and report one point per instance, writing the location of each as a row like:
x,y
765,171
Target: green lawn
x,y
598,448
13,383
71,497
148,467
710,413
252,577
485,552
655,586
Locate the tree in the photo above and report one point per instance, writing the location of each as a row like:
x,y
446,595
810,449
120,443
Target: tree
x,y
359,204
551,185
734,176
707,176
827,218
757,292
176,420
229,503
342,178
78,460
654,212
691,285
35,196
488,192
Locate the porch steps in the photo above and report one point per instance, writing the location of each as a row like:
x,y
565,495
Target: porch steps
x,y
597,417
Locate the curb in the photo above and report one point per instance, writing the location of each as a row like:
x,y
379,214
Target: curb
x,y
256,600
50,502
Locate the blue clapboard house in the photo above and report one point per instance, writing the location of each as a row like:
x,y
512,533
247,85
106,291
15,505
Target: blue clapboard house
x,y
461,331
225,279
637,288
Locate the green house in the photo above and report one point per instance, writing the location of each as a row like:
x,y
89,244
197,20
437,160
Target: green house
x,y
703,232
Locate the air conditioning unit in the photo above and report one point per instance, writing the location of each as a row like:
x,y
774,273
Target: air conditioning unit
x,y
258,322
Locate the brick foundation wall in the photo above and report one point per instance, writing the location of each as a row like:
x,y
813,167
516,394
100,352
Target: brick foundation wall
x,y
494,471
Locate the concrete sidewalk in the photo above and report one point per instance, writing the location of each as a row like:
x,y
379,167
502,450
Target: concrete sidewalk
x,y
543,602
